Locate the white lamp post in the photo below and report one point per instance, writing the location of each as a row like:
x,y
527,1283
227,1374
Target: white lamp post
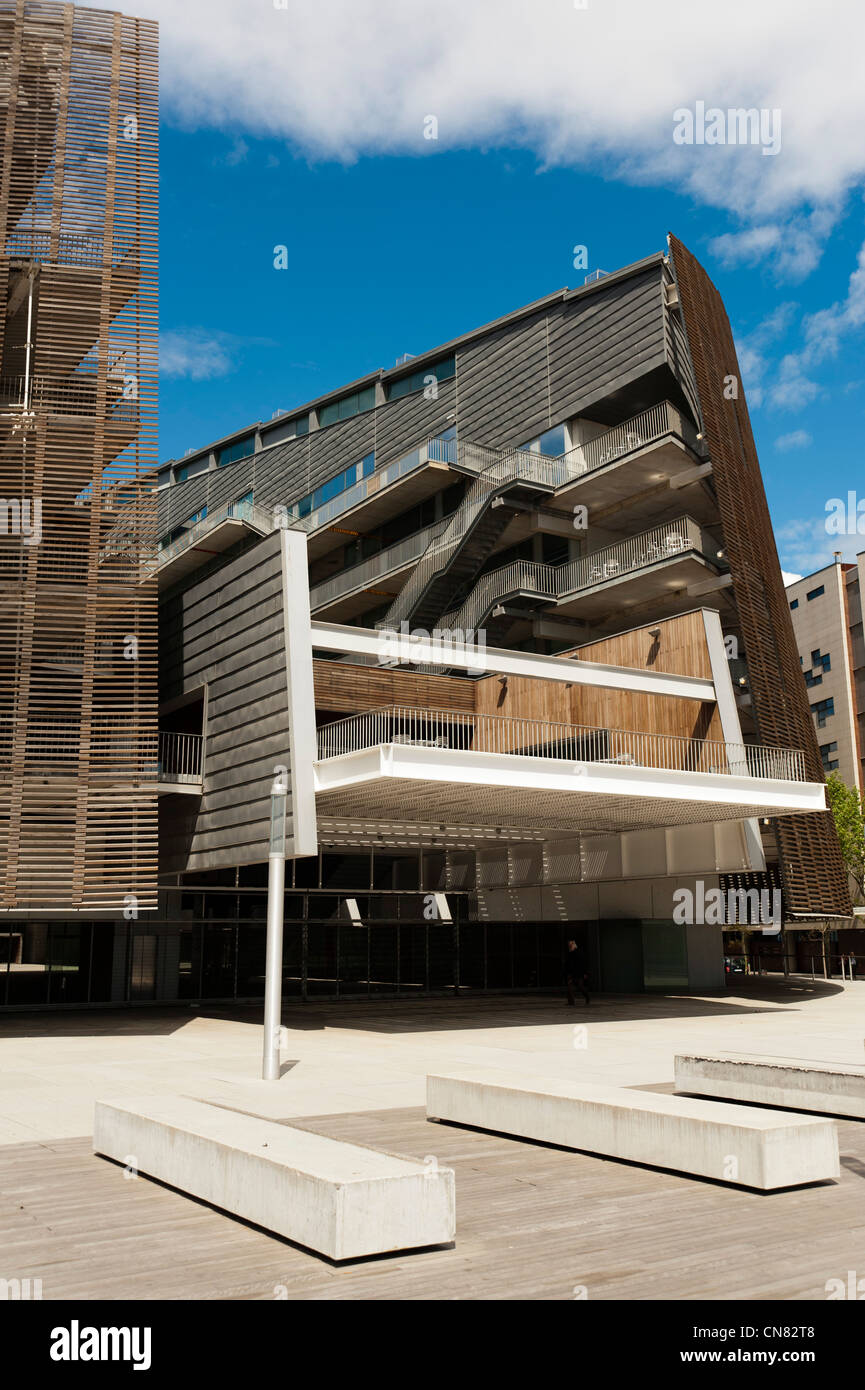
x,y
275,915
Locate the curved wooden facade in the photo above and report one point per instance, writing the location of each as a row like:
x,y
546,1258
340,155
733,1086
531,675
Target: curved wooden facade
x,y
812,870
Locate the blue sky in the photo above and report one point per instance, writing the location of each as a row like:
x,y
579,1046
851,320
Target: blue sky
x,y
310,137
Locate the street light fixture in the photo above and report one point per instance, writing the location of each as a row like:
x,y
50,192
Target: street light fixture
x,y
275,915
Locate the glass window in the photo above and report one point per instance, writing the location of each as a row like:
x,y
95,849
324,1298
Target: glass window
x,y
822,710
241,449
815,593
334,486
416,381
551,442
795,603
347,406
826,750
189,470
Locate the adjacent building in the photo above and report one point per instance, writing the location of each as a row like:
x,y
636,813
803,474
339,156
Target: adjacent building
x,y
826,609
78,619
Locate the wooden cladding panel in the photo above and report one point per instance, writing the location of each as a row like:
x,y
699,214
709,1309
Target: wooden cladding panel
x,y
680,649
812,870
348,688
78,642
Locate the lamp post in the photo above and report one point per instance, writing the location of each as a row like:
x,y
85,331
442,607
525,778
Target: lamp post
x,y
275,914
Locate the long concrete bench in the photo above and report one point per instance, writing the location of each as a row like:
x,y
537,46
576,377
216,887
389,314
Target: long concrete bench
x,y
830,1088
339,1199
756,1148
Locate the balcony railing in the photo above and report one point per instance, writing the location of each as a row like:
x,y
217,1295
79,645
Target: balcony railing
x,y
630,437
575,743
257,517
361,575
180,757
673,539
434,450
70,395
67,248
499,468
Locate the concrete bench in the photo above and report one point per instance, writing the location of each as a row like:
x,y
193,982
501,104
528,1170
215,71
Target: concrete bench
x,y
830,1088
755,1148
339,1199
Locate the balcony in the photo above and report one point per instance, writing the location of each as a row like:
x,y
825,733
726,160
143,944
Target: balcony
x,y
215,533
343,594
639,461
180,762
677,553
443,766
374,499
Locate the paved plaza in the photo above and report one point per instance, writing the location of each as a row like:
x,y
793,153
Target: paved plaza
x,y
532,1221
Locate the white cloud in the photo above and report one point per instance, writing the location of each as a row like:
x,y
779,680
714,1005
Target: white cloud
x,y
823,332
794,246
342,78
804,545
790,578
797,439
751,349
194,354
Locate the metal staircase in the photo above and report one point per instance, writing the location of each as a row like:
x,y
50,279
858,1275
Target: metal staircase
x,y
458,549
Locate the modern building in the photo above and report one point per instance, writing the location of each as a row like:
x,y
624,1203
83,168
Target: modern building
x,y
826,609
507,622
78,628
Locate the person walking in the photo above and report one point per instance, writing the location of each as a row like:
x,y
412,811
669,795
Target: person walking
x,y
576,974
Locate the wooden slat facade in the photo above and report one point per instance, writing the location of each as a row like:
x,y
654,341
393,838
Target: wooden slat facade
x,y
812,870
351,689
78,266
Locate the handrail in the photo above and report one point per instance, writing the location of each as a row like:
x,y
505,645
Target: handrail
x,y
53,747
257,517
672,539
498,468
179,757
359,575
574,743
433,450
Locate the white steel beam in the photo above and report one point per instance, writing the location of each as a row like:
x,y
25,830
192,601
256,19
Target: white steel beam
x,y
414,649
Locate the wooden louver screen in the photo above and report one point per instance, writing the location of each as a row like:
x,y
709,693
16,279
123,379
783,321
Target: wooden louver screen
x,y
812,870
78,290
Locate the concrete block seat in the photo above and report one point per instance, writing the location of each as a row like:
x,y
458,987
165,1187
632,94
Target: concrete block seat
x,y
340,1199
829,1088
763,1149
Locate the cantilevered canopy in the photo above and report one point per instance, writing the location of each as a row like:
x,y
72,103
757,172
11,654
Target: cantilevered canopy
x,y
444,785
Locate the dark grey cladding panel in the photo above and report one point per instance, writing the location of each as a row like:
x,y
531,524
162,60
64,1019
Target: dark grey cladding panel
x,y
512,383
601,342
226,633
177,819
502,385
410,420
287,471
334,448
680,359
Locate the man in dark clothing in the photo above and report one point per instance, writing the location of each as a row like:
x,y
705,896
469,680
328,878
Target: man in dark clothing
x,y
576,973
